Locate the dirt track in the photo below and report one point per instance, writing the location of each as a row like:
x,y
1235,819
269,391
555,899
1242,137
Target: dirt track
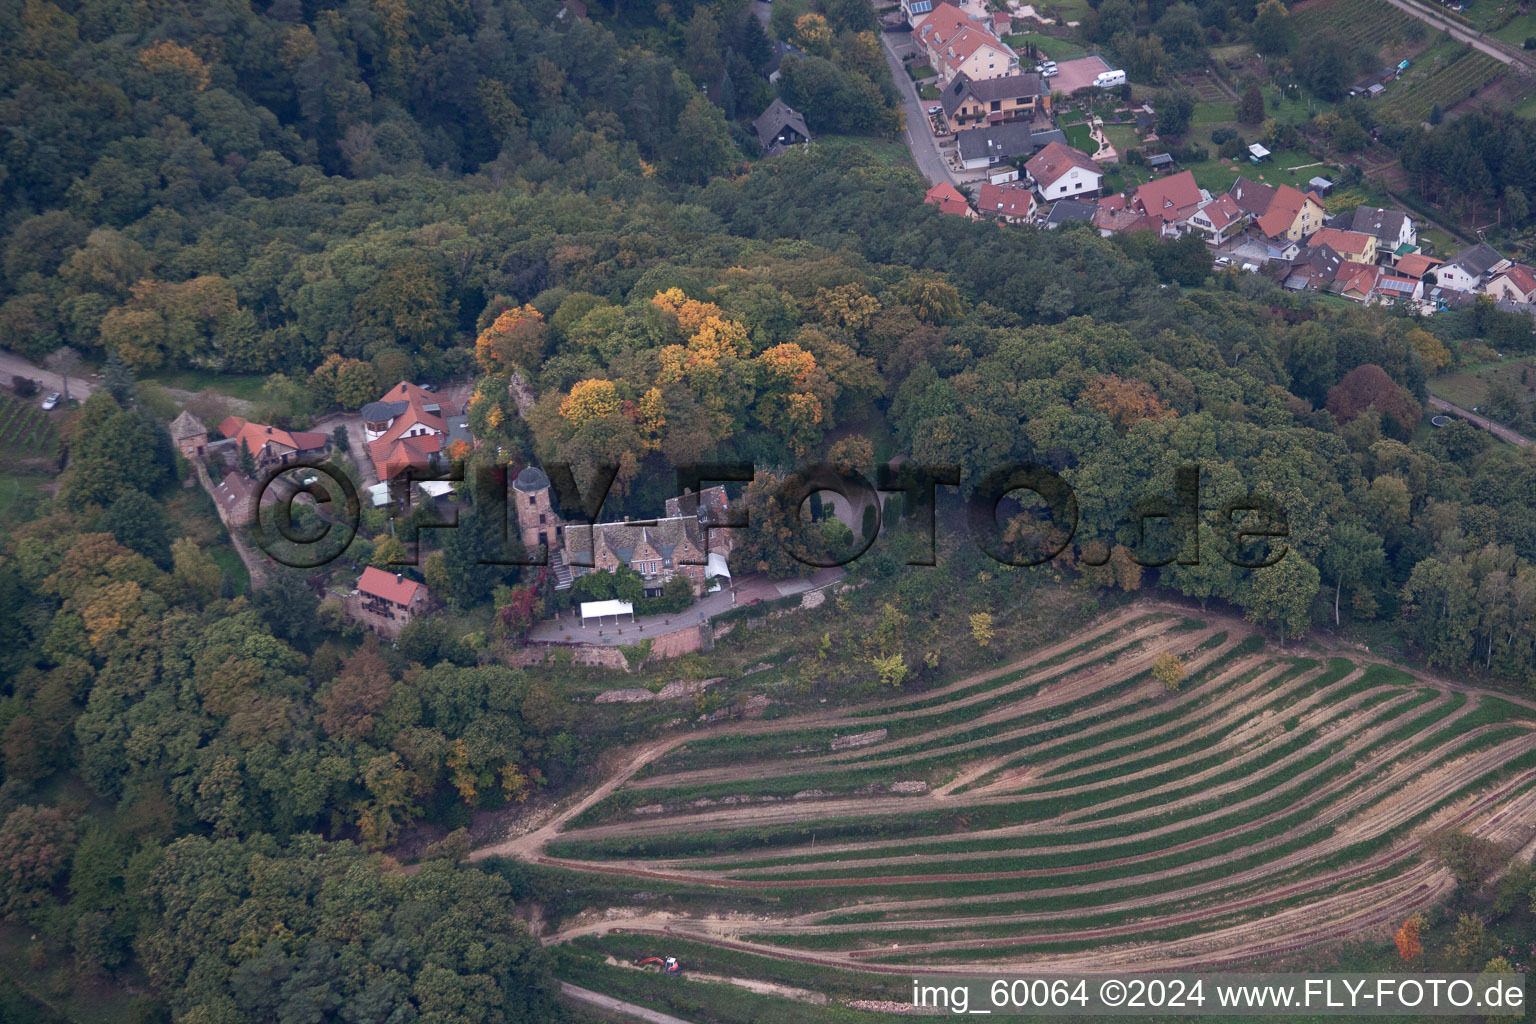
x,y
1351,777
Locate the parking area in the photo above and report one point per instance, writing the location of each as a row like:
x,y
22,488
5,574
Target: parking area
x,y
1078,74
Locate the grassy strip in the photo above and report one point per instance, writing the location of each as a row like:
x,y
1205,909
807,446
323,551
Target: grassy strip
x,y
835,983
700,1002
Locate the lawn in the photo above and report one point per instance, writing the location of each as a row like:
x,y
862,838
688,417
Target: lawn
x,y
246,386
1051,46
895,154
1079,136
1214,113
1438,243
227,560
15,489
1287,167
918,72
1469,387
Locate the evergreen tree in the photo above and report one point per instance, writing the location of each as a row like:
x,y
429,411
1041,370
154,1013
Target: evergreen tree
x,y
119,379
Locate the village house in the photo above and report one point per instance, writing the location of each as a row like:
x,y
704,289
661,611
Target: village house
x,y
1060,172
410,430
955,44
1011,203
1219,219
916,12
1172,200
779,127
1469,269
949,200
1515,283
270,446
1314,269
1290,216
973,103
1355,246
189,435
1114,215
386,602
1069,211
997,146
1416,266
1393,230
235,500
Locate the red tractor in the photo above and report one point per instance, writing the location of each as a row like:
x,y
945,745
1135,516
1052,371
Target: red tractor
x,y
667,965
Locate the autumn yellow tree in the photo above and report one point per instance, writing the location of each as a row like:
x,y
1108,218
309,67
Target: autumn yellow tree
x,y
813,34
166,56
981,628
590,400
1168,670
514,339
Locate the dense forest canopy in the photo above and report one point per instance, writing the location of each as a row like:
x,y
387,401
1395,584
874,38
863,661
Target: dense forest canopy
x,y
198,782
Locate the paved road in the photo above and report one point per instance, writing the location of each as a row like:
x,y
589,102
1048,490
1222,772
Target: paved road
x,y
12,365
644,1013
748,590
1495,48
924,147
1501,432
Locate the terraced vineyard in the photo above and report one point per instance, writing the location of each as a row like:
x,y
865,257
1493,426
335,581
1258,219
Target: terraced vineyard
x,y
1068,810
26,433
1372,23
1447,87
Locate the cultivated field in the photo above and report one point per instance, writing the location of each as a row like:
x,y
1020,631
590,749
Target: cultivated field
x,y
1374,24
1067,809
27,435
1463,77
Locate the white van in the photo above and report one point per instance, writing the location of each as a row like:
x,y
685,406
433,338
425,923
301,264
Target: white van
x,y
1109,79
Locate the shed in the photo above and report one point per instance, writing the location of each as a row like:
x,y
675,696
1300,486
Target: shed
x,y
1322,186
1257,153
1161,162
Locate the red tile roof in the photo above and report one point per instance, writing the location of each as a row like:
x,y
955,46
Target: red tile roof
x,y
1221,211
257,436
948,199
1004,200
1416,265
1521,277
392,587
1055,160
393,451
1173,198
1346,242
944,21
1282,211
1357,277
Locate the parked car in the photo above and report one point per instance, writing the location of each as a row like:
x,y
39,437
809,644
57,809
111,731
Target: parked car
x,y
934,110
1050,72
51,401
1223,261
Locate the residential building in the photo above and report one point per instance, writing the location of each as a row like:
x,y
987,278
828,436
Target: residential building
x,y
1252,197
1416,266
235,499
1392,229
1061,172
271,446
1114,215
1515,283
1068,211
1314,269
949,200
411,430
779,127
1357,281
916,11
1219,219
1173,200
386,602
1011,204
974,103
1291,216
995,145
1355,246
955,44
189,435
1471,268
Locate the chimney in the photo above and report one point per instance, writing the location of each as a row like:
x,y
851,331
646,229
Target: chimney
x,y
400,577
269,430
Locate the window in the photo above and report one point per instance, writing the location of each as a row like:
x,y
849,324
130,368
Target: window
x,y
541,518
531,500
997,104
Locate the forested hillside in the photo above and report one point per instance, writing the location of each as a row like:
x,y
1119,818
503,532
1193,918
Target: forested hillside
x,y
198,782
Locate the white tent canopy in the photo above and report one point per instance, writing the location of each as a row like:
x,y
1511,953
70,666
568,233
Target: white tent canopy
x,y
379,494
718,566
600,609
435,488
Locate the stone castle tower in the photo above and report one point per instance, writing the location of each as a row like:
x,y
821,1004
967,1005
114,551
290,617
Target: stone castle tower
x,y
537,522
